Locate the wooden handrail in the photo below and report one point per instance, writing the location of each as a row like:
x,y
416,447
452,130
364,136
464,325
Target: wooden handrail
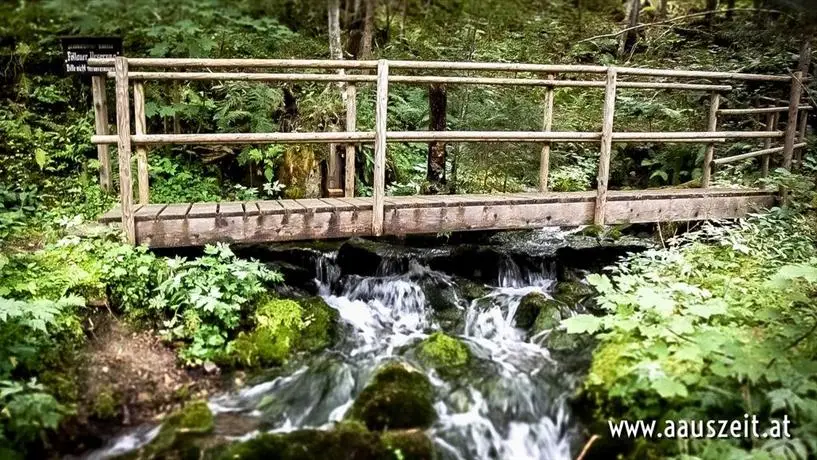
x,y
380,137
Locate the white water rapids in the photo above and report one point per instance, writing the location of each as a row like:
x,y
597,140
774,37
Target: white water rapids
x,y
511,404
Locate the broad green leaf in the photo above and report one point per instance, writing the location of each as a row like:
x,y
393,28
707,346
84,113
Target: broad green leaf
x,y
582,324
668,388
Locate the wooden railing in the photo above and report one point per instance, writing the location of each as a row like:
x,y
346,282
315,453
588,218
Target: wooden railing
x,y
793,136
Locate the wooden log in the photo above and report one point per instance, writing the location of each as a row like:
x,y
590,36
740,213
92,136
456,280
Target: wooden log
x,y
771,125
791,123
245,76
101,129
757,110
193,63
381,114
608,117
712,126
140,122
124,148
351,126
547,125
701,74
429,136
757,153
802,125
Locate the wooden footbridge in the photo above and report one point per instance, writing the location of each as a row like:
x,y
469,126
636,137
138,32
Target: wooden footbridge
x,y
182,224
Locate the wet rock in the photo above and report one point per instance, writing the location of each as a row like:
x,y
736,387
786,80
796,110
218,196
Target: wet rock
x,y
443,352
321,325
360,257
470,290
348,440
412,444
571,293
531,307
398,397
593,256
178,434
442,298
470,261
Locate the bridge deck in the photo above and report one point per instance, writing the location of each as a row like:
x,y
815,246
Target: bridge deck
x,y
192,224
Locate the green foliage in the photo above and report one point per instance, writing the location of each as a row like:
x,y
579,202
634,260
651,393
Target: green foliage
x,y
717,325
278,325
204,299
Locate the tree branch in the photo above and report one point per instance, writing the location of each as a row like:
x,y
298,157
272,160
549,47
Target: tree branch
x,y
679,18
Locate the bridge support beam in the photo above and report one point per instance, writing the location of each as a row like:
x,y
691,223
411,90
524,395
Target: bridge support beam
x,y
381,114
606,145
124,148
712,126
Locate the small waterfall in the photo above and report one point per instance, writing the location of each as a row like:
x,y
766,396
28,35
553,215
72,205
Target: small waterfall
x,y
509,404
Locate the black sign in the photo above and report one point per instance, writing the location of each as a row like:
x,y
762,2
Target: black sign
x,y
79,49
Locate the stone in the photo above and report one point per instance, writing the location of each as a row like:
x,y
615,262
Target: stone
x,y
398,397
443,352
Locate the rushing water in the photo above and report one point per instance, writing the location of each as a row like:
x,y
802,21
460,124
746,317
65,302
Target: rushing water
x,y
510,404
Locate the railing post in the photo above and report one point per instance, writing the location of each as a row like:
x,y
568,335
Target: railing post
x,y
802,125
101,128
547,125
608,117
124,148
771,125
379,189
140,122
712,126
351,126
791,123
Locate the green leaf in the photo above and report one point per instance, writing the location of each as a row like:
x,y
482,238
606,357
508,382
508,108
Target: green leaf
x,y
668,388
41,157
582,324
600,282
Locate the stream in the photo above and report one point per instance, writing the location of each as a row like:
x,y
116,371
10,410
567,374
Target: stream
x,y
512,402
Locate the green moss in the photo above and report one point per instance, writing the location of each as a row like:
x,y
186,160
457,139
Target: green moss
x,y
571,293
178,433
529,308
105,405
347,441
408,445
320,324
399,396
548,317
443,352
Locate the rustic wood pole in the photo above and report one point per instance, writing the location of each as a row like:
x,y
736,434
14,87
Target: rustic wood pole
x,y
606,145
140,121
351,126
380,146
802,124
791,123
124,148
712,126
771,125
547,125
101,125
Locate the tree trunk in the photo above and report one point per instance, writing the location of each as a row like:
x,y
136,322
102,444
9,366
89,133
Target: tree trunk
x,y
730,5
333,161
662,8
711,5
438,102
629,38
368,30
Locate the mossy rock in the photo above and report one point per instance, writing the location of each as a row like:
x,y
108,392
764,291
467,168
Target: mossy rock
x,y
106,405
443,352
408,445
177,435
348,440
548,318
537,311
398,397
320,324
471,290
570,293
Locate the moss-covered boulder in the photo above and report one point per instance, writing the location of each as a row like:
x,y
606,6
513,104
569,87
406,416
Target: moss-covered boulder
x,y
443,352
529,308
398,397
471,290
282,327
320,325
408,445
571,293
178,433
347,440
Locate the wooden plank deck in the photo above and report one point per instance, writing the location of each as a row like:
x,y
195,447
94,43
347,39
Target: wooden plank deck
x,y
193,224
